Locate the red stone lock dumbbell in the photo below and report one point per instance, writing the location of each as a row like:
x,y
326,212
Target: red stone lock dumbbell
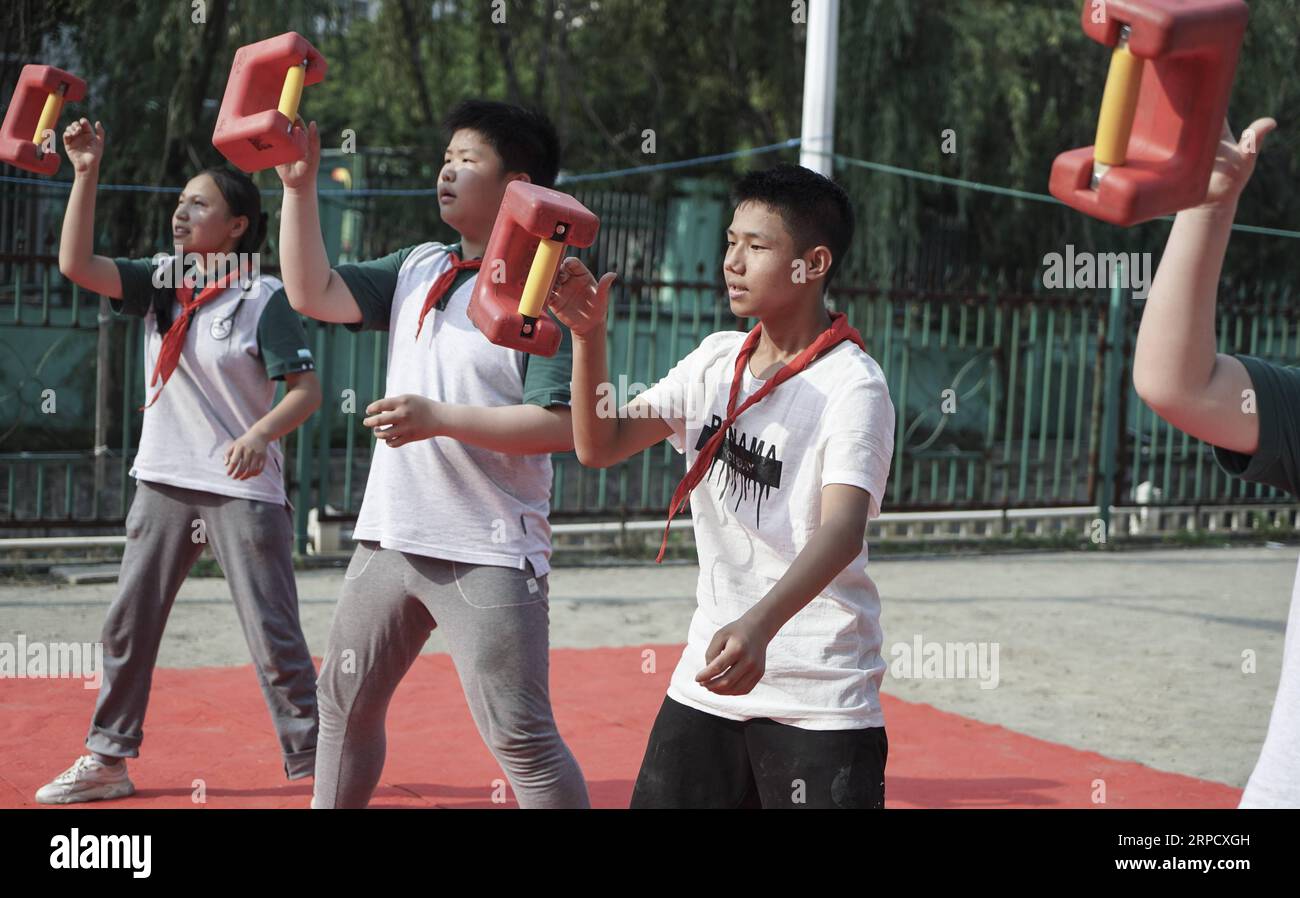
x,y
32,115
255,125
1162,111
520,263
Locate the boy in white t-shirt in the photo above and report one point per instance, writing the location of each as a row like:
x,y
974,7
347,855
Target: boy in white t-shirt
x,y
453,530
788,433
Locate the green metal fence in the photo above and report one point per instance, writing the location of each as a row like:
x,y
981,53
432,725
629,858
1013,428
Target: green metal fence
x,y
1007,394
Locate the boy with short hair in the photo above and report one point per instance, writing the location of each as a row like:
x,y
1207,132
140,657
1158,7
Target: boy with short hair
x,y
788,433
1178,373
453,530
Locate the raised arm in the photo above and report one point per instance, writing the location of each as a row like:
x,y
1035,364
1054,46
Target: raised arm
x,y
314,289
1176,368
77,260
600,439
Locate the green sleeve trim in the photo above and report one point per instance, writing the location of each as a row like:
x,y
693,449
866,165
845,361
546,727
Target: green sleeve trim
x,y
372,285
549,382
1276,460
138,290
282,339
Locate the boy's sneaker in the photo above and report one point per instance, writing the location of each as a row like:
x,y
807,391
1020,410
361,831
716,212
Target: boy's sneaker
x,y
87,780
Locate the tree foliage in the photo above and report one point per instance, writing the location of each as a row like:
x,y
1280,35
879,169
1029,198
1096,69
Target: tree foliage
x,y
1015,80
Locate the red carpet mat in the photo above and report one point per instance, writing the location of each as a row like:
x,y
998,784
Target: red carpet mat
x,y
210,725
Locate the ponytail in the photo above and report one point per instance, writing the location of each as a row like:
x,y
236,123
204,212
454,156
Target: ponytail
x,y
258,232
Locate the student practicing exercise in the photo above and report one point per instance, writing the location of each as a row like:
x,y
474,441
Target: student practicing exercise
x,y
788,434
453,529
209,469
1245,407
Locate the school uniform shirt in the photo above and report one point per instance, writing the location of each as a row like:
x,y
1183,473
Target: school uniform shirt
x,y
1275,782
440,497
756,509
237,346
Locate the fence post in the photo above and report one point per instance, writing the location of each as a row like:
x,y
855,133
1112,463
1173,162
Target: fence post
x,y
1115,329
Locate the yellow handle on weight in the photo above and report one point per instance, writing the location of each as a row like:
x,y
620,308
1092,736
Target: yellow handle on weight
x,y
1118,107
540,277
49,115
291,93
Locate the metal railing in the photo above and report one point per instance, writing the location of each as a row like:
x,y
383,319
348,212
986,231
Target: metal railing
x,y
1007,395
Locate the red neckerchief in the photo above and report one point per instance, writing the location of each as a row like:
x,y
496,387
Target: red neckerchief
x,y
839,331
443,282
174,340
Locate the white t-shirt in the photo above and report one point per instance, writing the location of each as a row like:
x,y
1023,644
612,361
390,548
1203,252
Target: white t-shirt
x,y
237,346
440,497
1275,781
757,508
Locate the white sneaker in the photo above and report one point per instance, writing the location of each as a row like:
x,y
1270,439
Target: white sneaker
x,y
87,780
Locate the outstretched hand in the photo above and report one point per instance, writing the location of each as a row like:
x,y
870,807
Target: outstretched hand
x,y
84,145
1234,162
302,172
408,418
578,301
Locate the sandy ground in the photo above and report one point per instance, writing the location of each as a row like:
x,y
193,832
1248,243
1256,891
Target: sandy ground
x,y
1137,656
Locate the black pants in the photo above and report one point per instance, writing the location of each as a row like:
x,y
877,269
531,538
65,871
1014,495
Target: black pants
x,y
699,760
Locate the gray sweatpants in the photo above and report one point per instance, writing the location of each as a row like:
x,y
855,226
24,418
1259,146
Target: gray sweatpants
x,y
496,620
253,543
